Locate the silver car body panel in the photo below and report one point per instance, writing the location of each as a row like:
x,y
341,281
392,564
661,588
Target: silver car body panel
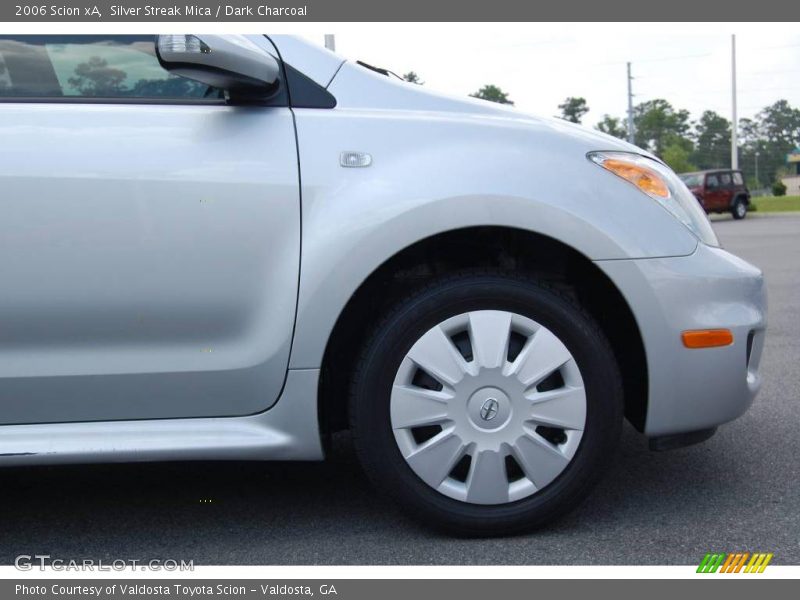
x,y
288,431
692,389
460,169
123,296
194,213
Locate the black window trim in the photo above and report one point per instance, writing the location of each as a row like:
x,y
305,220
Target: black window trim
x,y
111,100
302,91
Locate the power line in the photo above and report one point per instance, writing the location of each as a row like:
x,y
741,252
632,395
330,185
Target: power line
x,y
648,60
772,47
668,58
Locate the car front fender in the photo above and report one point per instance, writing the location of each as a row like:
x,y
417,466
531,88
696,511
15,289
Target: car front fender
x,y
432,174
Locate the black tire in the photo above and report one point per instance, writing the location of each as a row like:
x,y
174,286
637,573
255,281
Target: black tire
x,y
739,209
411,318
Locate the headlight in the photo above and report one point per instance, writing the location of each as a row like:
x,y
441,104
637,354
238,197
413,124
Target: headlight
x,y
662,185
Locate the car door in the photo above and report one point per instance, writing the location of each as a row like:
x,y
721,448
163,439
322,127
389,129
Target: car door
x,y
725,190
149,238
713,193
738,183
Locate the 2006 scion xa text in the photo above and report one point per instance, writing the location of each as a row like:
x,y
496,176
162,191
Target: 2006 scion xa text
x,y
228,247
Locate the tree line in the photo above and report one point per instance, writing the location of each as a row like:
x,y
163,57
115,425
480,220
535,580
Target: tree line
x,y
687,145
692,145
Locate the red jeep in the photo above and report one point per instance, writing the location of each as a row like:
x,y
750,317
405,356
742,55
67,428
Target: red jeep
x,y
719,190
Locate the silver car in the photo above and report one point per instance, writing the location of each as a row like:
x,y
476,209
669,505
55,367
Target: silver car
x,y
228,247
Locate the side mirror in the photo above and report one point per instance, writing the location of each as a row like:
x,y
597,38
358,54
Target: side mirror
x,y
231,62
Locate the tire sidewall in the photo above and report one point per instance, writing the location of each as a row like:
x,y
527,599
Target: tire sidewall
x,y
739,205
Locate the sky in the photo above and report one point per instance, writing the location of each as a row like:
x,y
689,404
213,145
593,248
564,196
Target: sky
x,y
539,65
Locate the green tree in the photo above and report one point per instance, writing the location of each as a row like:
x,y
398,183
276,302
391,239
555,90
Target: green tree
x,y
677,155
712,141
613,126
492,93
780,124
573,109
96,78
412,77
764,140
656,123
173,87
752,149
748,132
773,133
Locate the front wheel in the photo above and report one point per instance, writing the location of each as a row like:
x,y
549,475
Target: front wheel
x,y
739,209
486,404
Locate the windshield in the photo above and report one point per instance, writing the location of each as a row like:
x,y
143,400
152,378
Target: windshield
x,y
692,179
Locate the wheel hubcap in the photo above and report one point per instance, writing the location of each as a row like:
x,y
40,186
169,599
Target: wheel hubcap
x,y
488,407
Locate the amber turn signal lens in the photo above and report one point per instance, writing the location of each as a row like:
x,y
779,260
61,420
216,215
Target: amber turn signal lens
x,y
707,338
645,179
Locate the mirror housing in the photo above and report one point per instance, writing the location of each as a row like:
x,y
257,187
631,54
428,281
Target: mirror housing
x,y
231,63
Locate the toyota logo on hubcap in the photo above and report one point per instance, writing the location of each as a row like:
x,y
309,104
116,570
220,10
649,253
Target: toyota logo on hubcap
x,y
489,409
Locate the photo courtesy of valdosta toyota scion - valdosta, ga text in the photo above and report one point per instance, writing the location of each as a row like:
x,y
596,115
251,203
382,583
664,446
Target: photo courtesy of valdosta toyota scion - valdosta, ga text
x,y
173,589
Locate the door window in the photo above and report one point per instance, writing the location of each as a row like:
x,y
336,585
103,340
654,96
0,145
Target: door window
x,y
725,180
738,179
112,67
712,182
5,80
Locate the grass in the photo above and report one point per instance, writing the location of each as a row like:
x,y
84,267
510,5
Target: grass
x,y
777,203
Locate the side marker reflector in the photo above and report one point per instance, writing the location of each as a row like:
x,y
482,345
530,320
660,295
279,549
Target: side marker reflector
x,y
707,338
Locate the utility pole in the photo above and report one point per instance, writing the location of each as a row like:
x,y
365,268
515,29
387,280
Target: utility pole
x,y
758,181
734,119
630,105
330,42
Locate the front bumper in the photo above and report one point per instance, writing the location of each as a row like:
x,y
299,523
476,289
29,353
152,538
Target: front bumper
x,y
695,389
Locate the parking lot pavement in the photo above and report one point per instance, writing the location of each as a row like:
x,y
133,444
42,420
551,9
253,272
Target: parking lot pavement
x,y
738,491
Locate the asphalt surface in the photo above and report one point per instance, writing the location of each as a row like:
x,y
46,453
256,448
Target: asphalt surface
x,y
738,491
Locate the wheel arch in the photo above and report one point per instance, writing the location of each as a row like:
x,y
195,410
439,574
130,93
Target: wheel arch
x,y
499,247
